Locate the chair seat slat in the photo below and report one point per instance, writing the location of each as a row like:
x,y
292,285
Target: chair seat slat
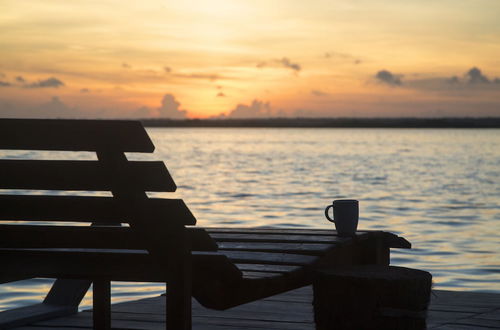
x,y
133,265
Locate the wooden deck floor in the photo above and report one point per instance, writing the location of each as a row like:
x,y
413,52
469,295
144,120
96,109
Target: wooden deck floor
x,y
449,310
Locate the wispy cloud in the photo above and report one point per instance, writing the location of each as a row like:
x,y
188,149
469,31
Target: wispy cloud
x,y
288,64
317,92
283,62
46,83
5,84
343,56
203,76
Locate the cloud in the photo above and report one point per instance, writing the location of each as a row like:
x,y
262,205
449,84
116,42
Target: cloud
x,y
84,90
343,56
258,109
288,64
170,108
283,62
126,65
386,77
20,79
4,84
475,76
167,69
317,92
47,83
220,94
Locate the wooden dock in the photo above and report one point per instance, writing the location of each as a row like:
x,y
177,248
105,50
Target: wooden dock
x,y
449,310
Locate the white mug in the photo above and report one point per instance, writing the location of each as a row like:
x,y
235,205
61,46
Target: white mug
x,y
345,216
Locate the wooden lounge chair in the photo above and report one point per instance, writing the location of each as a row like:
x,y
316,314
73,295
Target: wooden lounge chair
x,y
134,237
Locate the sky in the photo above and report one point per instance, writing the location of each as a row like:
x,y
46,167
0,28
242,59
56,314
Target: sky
x,y
249,58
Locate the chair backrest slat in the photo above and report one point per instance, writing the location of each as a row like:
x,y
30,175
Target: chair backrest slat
x,y
153,221
82,175
88,209
74,135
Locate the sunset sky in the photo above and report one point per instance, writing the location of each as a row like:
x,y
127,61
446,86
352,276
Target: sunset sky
x,y
218,58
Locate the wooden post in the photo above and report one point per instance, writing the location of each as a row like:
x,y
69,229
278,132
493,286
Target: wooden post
x,y
371,297
102,304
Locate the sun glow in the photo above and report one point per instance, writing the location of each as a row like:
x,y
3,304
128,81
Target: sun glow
x,y
320,58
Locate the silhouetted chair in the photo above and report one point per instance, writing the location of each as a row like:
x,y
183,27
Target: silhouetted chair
x,y
220,267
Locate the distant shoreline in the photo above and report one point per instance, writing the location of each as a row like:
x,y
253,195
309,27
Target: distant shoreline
x,y
330,122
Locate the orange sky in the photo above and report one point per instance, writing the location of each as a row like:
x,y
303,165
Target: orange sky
x,y
218,58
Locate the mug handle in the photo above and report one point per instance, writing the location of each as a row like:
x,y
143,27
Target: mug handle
x,y
326,213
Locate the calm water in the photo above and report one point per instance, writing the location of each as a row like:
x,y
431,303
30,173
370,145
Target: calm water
x,y
440,189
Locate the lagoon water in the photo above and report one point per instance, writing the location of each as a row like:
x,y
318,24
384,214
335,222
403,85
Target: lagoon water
x,y
439,188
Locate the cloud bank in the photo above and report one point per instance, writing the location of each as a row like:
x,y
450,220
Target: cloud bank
x,y
472,79
257,109
170,108
19,81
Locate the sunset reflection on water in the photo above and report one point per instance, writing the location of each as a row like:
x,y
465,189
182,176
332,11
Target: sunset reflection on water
x,y
437,188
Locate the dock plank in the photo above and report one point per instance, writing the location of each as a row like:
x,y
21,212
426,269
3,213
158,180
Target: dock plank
x,y
292,310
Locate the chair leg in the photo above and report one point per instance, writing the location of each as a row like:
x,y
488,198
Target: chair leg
x,y
179,304
102,304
